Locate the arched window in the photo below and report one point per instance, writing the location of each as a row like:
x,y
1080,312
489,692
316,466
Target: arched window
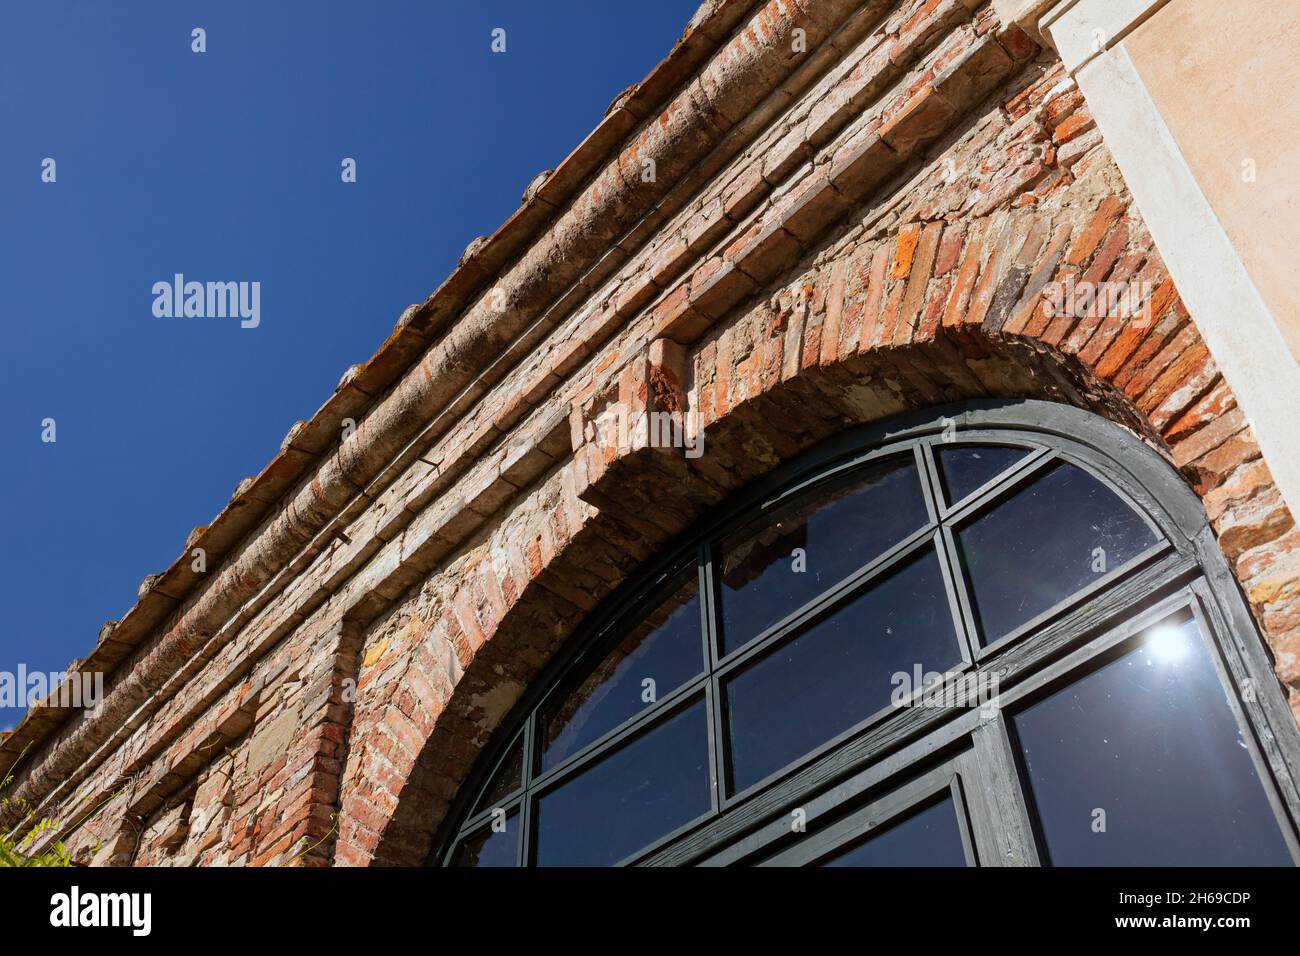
x,y
1004,635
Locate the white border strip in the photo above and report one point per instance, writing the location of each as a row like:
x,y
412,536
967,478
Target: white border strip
x,y
1083,29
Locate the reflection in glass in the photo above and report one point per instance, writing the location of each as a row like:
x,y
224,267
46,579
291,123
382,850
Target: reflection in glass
x,y
1046,542
931,837
491,846
629,798
838,527
509,777
965,468
657,656
1143,763
840,671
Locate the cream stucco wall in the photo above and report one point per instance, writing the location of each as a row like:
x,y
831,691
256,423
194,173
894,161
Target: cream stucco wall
x,y
1185,91
1225,76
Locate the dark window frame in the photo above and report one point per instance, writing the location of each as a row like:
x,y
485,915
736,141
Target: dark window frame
x,y
1185,565
952,779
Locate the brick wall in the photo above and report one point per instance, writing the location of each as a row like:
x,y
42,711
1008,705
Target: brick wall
x,y
852,210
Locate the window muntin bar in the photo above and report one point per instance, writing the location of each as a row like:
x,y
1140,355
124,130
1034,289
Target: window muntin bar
x,y
788,556
829,677
1046,542
655,658
964,469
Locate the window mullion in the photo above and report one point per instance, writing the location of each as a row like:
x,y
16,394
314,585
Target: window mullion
x,y
526,806
711,619
1003,812
954,580
930,480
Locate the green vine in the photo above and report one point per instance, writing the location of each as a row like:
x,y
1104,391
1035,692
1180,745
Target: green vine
x,y
304,848
15,845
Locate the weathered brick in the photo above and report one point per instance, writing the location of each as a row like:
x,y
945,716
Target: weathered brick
x,y
1215,432
918,121
1218,403
1071,128
917,282
1108,211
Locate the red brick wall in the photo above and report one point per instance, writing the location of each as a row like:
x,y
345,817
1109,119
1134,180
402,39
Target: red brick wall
x,y
834,235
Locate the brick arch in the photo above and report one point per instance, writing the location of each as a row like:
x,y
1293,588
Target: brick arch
x,y
612,507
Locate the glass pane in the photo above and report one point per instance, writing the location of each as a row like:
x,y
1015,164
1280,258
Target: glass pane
x,y
931,837
497,844
840,671
509,777
630,798
964,468
1047,541
838,527
658,656
1143,763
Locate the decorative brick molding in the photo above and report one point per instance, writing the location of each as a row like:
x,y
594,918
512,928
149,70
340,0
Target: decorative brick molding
x,y
869,227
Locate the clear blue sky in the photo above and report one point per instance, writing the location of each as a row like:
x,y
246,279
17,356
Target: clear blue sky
x,y
226,166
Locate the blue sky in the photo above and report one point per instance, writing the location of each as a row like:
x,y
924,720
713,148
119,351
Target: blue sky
x,y
225,166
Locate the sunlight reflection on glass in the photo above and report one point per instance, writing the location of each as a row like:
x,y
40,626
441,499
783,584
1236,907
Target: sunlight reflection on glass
x,y
1168,643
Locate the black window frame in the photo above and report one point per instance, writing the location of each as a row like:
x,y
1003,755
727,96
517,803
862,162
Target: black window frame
x,y
953,778
886,750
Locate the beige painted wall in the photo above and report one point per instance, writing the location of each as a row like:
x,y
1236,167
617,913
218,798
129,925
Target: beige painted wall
x,y
1225,76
